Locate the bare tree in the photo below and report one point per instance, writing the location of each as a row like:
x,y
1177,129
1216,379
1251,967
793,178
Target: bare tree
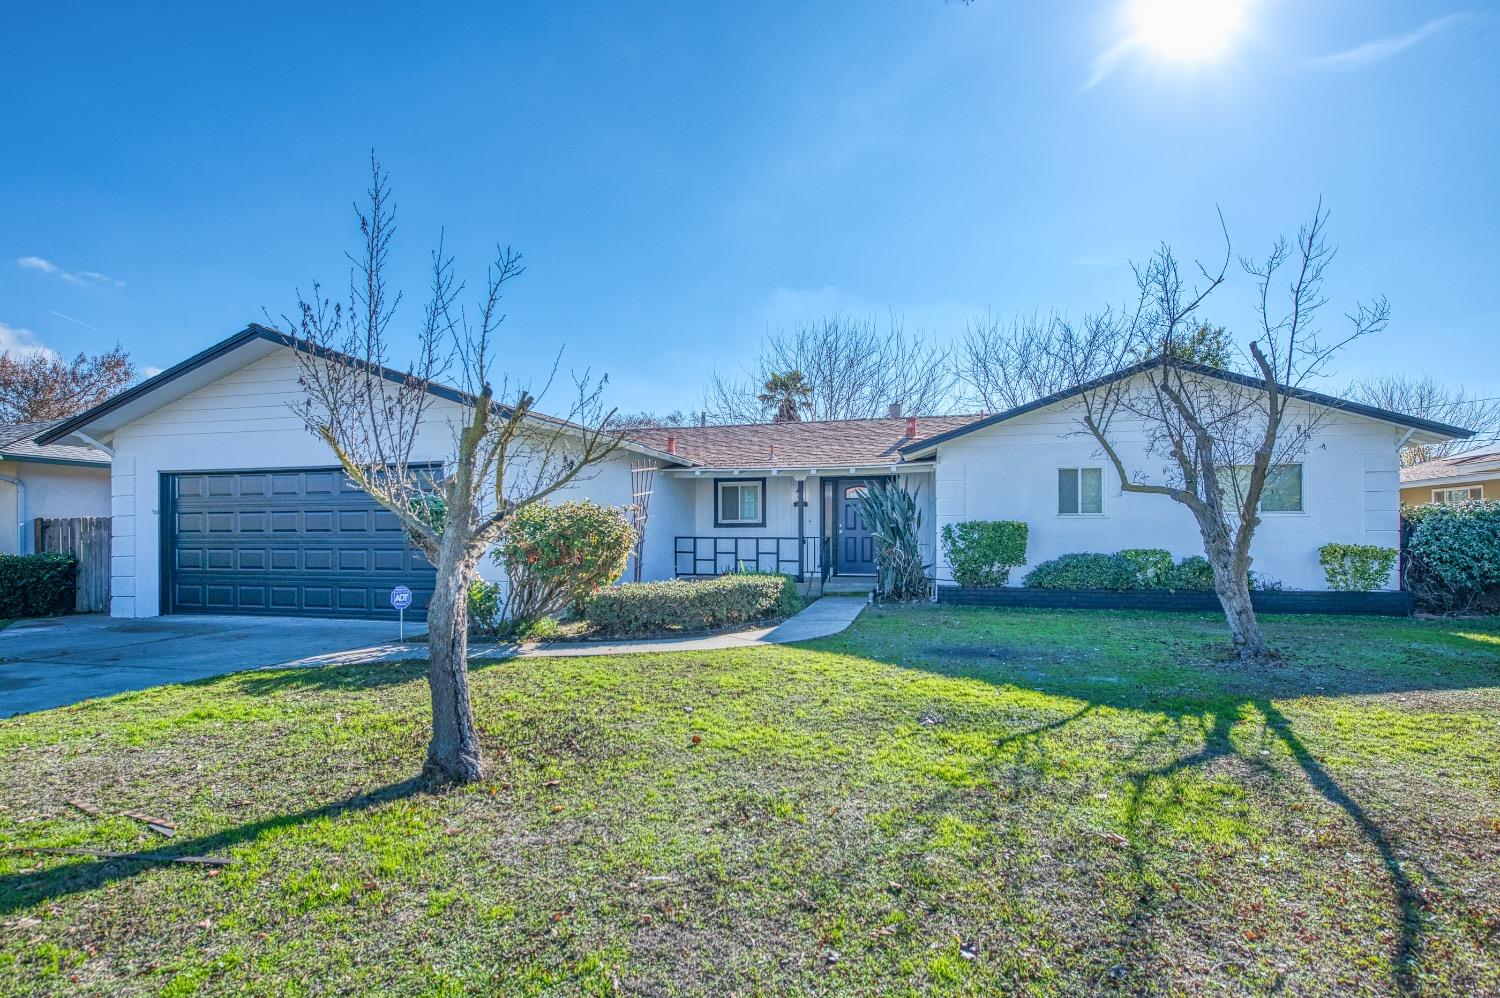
x,y
1421,396
43,385
1006,363
383,426
1226,440
856,368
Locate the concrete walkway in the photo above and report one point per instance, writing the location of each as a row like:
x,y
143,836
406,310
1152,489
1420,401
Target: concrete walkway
x,y
823,617
826,616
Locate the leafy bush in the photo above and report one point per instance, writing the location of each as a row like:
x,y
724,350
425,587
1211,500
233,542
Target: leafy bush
x,y
1191,574
895,521
1356,567
1134,568
557,556
1153,567
691,604
1455,553
542,629
982,552
486,612
37,585
1083,571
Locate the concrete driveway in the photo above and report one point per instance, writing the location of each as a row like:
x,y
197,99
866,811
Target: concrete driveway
x,y
62,660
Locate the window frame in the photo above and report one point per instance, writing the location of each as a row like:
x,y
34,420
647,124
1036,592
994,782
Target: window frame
x,y
1457,488
1103,505
1230,497
719,484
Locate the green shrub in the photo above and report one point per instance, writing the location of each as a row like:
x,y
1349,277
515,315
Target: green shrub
x,y
486,611
543,629
557,556
1456,550
691,604
1357,567
982,552
1152,566
895,523
1191,574
1082,571
37,585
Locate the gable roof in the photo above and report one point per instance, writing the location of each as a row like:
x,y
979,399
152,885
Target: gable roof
x,y
1435,431
825,444
18,443
1474,464
249,344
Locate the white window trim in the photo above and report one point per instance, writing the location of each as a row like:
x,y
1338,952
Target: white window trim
x,y
1277,512
1103,499
720,521
1457,488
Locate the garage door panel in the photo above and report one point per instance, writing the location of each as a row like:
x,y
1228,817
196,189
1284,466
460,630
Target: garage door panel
x,y
286,542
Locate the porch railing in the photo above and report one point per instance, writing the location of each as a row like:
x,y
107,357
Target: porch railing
x,y
721,554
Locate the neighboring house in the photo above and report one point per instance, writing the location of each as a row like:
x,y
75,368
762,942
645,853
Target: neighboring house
x,y
224,503
54,481
1475,475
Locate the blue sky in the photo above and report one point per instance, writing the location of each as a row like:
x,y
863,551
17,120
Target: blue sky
x,y
683,177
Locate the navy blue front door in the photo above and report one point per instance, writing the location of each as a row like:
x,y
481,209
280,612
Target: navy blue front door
x,y
856,548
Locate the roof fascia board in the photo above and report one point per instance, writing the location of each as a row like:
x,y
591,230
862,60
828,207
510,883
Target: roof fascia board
x,y
1231,377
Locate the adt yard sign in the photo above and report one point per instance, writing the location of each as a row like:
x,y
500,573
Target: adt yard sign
x,y
401,599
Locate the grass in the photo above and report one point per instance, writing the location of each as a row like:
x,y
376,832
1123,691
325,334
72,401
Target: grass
x,y
940,800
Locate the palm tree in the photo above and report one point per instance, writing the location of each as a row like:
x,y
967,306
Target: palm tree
x,y
788,394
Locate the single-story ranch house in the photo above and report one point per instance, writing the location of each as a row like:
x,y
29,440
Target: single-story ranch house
x,y
224,503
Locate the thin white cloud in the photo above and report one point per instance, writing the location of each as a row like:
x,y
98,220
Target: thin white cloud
x,y
20,342
81,278
80,322
1382,48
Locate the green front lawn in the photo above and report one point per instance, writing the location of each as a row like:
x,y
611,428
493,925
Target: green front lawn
x,y
940,800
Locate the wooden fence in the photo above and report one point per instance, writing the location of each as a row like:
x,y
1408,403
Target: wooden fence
x,y
86,538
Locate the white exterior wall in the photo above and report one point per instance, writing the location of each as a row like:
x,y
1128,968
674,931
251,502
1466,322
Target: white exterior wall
x,y
245,421
781,513
1009,472
53,491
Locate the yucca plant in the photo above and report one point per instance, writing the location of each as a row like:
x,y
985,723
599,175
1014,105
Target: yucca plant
x,y
894,520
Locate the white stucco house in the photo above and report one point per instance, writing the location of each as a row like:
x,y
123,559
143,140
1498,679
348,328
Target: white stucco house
x,y
52,481
224,503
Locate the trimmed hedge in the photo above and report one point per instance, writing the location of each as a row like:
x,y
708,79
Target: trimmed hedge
x,y
1356,567
691,604
37,585
1455,555
982,552
1131,569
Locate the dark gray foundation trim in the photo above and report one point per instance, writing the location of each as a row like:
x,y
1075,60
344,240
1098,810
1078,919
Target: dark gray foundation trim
x,y
1379,604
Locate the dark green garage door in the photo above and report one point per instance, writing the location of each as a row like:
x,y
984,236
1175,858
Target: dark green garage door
x,y
292,542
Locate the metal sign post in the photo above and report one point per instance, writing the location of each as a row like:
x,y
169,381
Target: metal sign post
x,y
401,599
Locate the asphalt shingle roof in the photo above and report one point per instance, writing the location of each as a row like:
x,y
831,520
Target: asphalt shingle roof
x,y
831,444
18,440
1452,467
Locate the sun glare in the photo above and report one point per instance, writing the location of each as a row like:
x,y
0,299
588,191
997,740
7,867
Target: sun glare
x,y
1188,29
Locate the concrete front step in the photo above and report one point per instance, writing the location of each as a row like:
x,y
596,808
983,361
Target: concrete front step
x,y
838,585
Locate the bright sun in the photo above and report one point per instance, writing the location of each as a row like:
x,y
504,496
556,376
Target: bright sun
x,y
1188,29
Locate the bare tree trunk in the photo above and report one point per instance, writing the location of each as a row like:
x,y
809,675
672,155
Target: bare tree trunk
x,y
1232,586
453,755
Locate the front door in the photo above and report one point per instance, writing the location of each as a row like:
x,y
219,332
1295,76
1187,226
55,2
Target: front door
x,y
856,548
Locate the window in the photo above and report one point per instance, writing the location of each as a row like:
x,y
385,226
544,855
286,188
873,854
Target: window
x,y
1080,491
740,502
1282,492
1447,496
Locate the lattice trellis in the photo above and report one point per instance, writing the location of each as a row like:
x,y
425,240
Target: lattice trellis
x,y
642,479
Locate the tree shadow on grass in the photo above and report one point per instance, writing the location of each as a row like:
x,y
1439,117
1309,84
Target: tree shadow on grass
x,y
33,887
1215,700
